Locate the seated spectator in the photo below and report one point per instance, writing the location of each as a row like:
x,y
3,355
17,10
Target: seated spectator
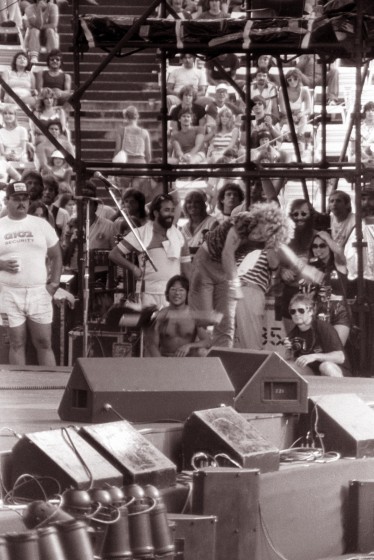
x,y
175,332
311,75
213,10
199,221
187,144
314,345
367,136
20,79
187,96
45,148
264,63
220,101
14,138
177,6
228,61
41,20
185,75
300,104
191,7
47,111
34,183
7,171
55,78
10,11
267,90
226,136
132,139
61,171
263,122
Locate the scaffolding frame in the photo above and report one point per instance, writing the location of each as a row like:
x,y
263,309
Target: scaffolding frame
x,y
323,170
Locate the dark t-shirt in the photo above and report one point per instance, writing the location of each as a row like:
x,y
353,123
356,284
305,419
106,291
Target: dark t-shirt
x,y
230,63
198,112
320,338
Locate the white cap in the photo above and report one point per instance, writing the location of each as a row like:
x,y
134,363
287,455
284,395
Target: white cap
x,y
57,154
222,86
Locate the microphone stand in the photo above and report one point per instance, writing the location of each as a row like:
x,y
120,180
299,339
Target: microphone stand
x,y
86,279
112,189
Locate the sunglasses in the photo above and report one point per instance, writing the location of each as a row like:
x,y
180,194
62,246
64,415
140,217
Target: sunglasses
x,y
300,310
55,58
297,214
319,246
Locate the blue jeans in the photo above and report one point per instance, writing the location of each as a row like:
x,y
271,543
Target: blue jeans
x,y
209,292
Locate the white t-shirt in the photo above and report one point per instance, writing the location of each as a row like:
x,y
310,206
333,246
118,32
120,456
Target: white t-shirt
x,y
28,239
182,76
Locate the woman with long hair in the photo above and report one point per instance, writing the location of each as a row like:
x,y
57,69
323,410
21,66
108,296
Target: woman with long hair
x,y
20,79
47,111
328,256
300,103
226,136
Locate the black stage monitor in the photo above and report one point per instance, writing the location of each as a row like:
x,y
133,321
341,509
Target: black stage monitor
x,y
263,381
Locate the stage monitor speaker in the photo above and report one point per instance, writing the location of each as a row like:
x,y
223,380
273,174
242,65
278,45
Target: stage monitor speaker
x,y
143,389
61,457
130,452
223,431
263,381
233,496
346,423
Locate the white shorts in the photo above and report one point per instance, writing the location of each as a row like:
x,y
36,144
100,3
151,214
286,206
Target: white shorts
x,y
19,304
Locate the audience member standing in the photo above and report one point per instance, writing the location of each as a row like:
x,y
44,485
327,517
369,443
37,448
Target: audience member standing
x,y
133,139
199,221
27,286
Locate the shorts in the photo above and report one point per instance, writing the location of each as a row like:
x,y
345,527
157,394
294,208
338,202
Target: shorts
x,y
19,304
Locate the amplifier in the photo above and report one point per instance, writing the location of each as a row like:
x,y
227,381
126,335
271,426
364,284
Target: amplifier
x,y
101,344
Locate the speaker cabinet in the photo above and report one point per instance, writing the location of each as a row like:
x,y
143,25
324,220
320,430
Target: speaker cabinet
x,y
131,453
51,454
361,516
143,389
346,423
232,496
223,431
263,381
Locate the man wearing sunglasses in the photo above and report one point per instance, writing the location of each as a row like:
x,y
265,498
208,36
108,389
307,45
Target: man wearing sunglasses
x,y
314,344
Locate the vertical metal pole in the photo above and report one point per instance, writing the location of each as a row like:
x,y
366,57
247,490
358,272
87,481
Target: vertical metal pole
x,y
324,164
359,245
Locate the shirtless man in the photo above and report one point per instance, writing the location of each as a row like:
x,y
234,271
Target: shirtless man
x,y
176,332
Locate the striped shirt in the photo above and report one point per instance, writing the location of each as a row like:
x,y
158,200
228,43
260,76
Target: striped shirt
x,y
259,274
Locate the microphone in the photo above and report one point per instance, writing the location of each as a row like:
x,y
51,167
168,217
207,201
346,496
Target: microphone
x,y
93,198
106,182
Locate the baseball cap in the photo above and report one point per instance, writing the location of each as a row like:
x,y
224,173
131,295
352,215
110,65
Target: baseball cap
x,y
222,86
16,188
